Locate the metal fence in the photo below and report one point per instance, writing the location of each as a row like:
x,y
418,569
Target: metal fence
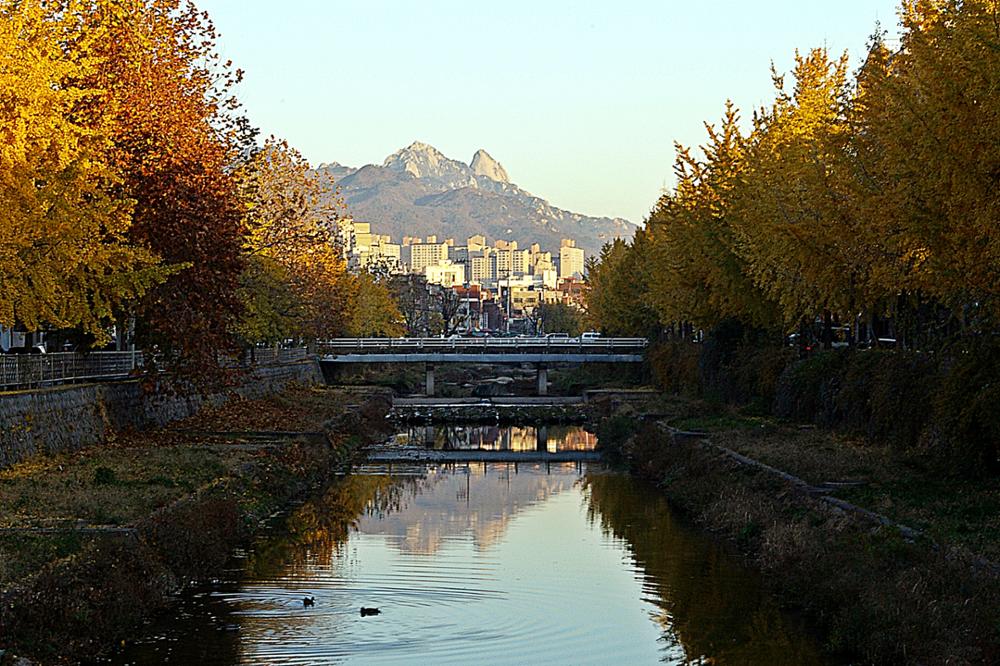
x,y
29,370
32,370
272,356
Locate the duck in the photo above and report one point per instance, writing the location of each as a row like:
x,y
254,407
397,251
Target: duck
x,y
369,611
308,601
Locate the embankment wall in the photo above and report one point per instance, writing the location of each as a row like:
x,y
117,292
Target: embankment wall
x,y
67,418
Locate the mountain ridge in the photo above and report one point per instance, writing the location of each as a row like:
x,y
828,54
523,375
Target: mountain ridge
x,y
418,191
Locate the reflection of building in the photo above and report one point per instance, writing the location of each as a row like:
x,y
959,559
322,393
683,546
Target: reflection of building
x,y
477,500
550,438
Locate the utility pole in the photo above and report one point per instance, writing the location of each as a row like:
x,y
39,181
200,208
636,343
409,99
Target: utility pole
x,y
508,298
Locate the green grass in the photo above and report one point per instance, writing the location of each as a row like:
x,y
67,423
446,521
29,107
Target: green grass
x,y
99,487
965,513
126,481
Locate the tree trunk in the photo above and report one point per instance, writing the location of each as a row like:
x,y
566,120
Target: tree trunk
x,y
827,329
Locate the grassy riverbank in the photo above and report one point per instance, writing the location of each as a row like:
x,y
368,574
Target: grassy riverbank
x,y
94,542
880,594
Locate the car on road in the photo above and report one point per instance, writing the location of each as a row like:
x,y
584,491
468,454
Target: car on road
x,y
589,335
557,336
24,349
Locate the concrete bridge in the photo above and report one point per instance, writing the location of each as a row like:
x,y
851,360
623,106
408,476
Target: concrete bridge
x,y
496,351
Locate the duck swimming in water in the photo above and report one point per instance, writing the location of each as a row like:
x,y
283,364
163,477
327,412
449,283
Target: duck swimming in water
x,y
369,611
308,601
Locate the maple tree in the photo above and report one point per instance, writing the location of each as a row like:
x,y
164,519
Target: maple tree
x,y
175,135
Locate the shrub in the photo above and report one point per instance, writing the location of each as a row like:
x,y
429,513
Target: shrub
x,y
105,476
741,365
806,389
614,431
674,366
893,397
755,375
900,398
967,412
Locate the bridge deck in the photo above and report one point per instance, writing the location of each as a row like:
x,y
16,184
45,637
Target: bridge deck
x,y
481,345
460,357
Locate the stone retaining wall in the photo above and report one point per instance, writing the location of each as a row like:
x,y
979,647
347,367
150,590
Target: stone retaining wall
x,y
66,418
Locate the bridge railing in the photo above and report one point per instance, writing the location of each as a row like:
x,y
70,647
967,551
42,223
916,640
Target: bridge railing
x,y
472,345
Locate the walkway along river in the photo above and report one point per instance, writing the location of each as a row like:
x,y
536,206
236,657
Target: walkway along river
x,y
483,562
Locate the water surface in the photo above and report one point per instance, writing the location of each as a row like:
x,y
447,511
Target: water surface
x,y
482,563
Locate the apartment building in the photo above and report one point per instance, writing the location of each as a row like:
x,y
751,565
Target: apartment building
x,y
422,255
570,260
445,273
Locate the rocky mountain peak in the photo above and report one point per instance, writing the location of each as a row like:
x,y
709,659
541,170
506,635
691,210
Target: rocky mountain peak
x,y
422,161
484,165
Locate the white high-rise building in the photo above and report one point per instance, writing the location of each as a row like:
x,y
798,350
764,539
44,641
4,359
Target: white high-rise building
x,y
570,259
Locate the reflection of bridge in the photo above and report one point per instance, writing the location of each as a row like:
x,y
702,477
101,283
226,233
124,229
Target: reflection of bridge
x,y
539,351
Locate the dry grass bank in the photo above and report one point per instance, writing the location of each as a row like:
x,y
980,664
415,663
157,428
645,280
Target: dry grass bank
x,y
879,597
94,542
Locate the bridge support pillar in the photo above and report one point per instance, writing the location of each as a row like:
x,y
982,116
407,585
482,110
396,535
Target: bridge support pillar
x,y
542,439
543,379
429,379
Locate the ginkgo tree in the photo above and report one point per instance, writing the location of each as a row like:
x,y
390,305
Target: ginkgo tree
x,y
695,271
797,231
66,257
859,197
932,117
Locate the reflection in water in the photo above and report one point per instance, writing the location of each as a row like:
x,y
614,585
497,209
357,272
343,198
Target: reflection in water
x,y
551,438
709,608
474,502
490,563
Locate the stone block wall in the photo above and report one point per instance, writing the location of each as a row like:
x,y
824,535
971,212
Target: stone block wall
x,y
67,418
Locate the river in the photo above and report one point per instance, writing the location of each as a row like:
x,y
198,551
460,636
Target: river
x,y
492,563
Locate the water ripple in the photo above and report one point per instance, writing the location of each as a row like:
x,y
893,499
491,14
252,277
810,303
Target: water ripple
x,y
484,565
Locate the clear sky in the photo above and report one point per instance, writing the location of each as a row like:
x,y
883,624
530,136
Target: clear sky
x,y
581,101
